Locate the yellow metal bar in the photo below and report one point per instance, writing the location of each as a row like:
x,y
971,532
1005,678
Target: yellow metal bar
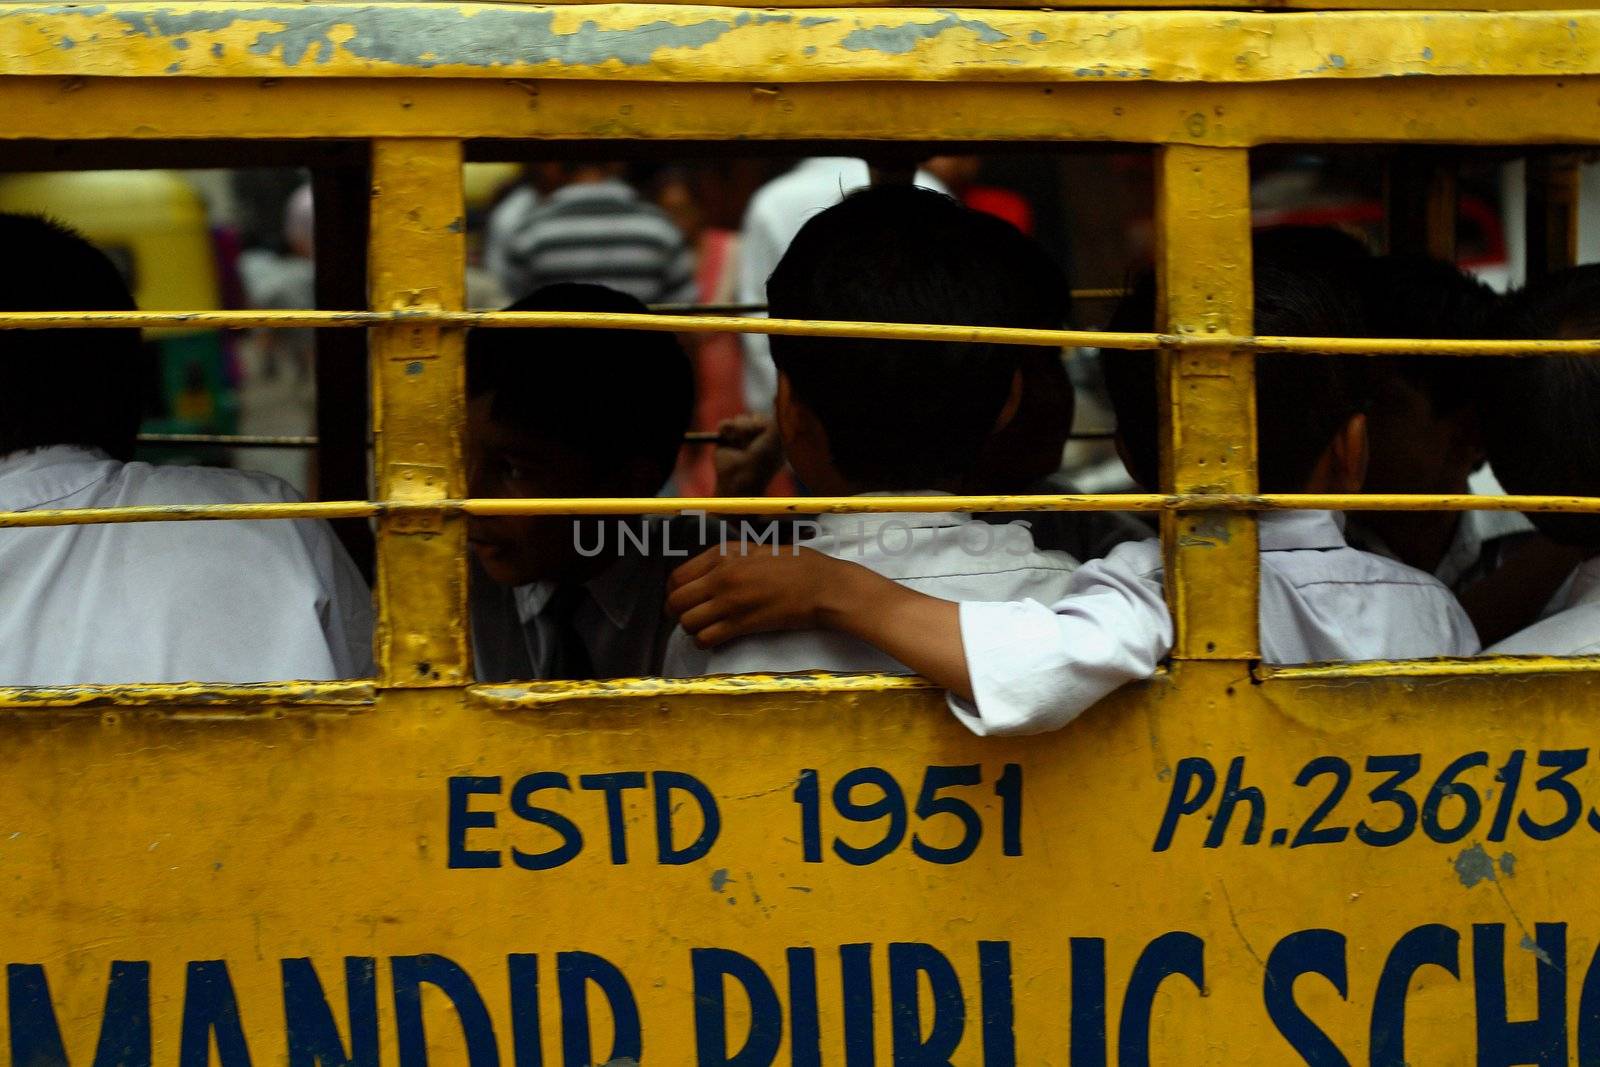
x,y
184,696
418,261
1483,666
1218,340
190,701
510,697
413,511
316,509
1208,439
1360,346
60,320
545,694
1494,109
224,39
1152,502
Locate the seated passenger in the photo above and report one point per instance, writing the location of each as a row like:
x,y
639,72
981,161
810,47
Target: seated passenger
x,y
1426,437
573,413
1024,459
1540,426
900,417
1022,667
141,602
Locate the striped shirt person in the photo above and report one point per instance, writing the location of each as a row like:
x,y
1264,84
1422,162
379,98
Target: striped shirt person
x,y
602,233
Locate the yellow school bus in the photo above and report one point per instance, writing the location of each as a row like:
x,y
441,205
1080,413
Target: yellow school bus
x,y
1224,865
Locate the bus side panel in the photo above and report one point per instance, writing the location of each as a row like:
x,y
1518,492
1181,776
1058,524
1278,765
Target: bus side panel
x,y
1202,870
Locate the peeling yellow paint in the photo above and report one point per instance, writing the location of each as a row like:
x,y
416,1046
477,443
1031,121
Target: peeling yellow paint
x,y
688,42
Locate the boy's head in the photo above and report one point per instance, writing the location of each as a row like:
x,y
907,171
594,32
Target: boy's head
x,y
1310,409
65,387
860,416
568,413
1029,447
1541,413
1423,425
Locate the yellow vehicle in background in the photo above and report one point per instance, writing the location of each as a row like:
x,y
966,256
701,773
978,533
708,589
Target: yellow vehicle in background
x,y
1382,863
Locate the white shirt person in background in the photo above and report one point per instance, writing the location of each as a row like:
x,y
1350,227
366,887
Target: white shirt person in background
x,y
1024,667
776,213
1541,433
142,602
885,418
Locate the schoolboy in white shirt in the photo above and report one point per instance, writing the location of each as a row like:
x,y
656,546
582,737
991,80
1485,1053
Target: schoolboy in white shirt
x,y
899,417
1017,668
573,413
1540,428
147,601
1425,429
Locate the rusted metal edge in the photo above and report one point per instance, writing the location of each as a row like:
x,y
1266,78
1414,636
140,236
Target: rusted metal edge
x,y
200,701
1477,667
544,694
676,42
187,697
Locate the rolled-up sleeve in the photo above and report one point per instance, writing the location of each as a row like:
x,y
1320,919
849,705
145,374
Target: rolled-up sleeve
x,y
1036,668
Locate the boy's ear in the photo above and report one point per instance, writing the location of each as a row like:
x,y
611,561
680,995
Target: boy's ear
x,y
798,425
783,411
1008,410
1347,455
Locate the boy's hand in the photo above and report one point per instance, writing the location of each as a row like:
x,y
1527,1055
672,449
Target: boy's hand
x,y
748,456
724,593
734,590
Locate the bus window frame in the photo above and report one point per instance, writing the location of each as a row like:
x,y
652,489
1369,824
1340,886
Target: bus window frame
x,y
427,113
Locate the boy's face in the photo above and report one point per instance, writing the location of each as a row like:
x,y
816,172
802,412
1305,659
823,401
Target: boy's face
x,y
1414,448
508,462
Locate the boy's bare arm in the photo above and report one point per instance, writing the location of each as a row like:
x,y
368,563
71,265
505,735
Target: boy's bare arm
x,y
723,594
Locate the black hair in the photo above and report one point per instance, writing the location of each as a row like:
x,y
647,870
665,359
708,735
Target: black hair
x,y
613,394
65,387
1305,285
1417,296
1541,414
908,414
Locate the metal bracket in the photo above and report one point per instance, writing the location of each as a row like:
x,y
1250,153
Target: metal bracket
x,y
416,483
419,342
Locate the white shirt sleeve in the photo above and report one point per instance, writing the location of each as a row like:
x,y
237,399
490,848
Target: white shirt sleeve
x,y
1036,668
683,658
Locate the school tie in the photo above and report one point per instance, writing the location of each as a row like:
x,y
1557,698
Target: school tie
x,y
569,656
